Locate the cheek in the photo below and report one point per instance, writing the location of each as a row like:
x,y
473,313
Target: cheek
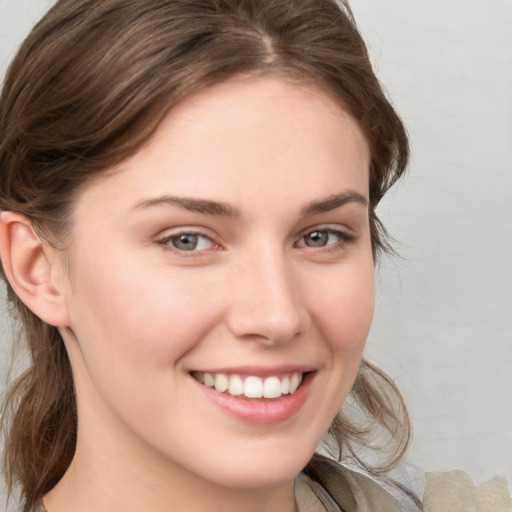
x,y
344,307
140,315
133,328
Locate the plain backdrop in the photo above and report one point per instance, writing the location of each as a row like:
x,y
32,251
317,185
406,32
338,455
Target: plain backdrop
x,y
443,321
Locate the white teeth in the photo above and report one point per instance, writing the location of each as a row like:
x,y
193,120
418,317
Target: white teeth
x,y
221,383
272,388
209,380
251,386
236,386
294,383
285,386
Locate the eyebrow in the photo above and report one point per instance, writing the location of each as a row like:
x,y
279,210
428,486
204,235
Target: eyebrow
x,y
192,204
333,202
208,207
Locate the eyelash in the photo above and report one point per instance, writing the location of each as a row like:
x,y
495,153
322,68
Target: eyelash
x,y
344,238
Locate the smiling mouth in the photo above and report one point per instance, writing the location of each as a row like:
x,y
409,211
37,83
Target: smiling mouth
x,y
251,386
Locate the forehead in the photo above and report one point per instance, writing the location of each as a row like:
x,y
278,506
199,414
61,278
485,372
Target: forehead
x,y
248,137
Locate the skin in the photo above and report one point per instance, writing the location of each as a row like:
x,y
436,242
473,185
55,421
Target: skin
x,y
140,315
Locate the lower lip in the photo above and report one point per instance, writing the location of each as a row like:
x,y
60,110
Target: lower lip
x,y
261,412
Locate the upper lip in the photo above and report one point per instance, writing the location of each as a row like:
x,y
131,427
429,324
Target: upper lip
x,y
259,371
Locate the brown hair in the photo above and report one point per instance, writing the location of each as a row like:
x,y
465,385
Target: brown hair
x,y
88,87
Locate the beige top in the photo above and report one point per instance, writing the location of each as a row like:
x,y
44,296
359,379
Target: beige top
x,y
454,491
444,492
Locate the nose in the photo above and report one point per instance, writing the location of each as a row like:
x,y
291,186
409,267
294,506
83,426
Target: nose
x,y
266,303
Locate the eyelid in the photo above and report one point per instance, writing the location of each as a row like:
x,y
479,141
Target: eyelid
x,y
331,228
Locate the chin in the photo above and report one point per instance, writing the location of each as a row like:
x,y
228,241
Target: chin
x,y
264,469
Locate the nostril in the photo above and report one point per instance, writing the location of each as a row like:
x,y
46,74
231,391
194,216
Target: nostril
x,y
267,331
266,304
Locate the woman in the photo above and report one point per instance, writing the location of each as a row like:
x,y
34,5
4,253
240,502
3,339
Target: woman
x,y
188,235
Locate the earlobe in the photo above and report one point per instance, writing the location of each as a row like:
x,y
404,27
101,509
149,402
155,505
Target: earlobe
x,y
30,267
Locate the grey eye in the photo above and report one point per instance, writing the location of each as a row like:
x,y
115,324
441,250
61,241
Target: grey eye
x,y
186,242
317,239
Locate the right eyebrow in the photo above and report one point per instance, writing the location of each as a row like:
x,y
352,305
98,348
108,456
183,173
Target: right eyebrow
x,y
204,206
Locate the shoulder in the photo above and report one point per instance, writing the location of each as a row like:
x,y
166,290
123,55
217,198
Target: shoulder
x,y
351,490
456,492
453,491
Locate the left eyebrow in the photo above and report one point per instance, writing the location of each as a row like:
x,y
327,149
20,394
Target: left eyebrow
x,y
333,202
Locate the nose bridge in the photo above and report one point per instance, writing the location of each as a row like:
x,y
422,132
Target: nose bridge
x,y
267,303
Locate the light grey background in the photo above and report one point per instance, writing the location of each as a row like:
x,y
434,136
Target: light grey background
x,y
443,324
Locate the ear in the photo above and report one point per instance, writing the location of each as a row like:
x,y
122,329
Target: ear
x,y
33,268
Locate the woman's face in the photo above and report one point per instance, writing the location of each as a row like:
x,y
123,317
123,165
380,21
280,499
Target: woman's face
x,y
232,251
